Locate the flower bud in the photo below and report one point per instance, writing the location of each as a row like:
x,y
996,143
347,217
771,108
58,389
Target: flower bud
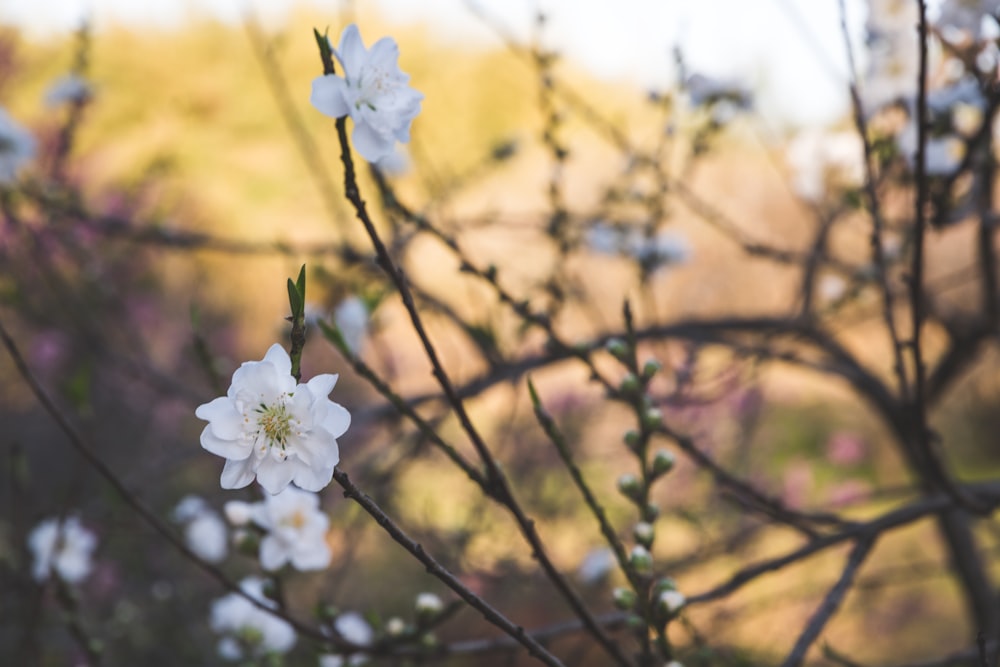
x,y
237,512
618,348
428,604
651,513
651,368
630,486
652,419
671,602
644,533
395,626
629,384
624,598
674,663
641,560
663,462
663,585
633,440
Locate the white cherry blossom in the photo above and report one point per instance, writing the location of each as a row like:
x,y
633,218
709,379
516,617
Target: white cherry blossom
x,y
249,631
269,427
296,531
204,530
62,547
372,91
17,147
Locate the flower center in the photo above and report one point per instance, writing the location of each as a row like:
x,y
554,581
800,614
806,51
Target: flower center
x,y
373,82
274,424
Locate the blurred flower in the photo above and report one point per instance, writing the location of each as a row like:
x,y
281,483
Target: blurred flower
x,y
296,530
847,492
354,628
62,546
966,17
942,155
237,512
704,90
17,147
797,483
339,661
662,249
832,287
204,530
248,630
596,565
893,57
68,89
373,91
429,604
269,427
351,318
395,163
845,449
821,161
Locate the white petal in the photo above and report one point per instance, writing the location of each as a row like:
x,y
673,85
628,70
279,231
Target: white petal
x,y
277,356
328,96
321,385
370,144
337,419
274,475
227,449
351,50
316,557
225,420
237,474
384,54
314,478
272,554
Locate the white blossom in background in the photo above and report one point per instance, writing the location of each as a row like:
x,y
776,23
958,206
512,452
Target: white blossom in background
x,y
354,628
596,565
428,604
330,660
832,287
821,161
893,56
249,631
372,91
395,163
942,155
269,427
204,530
704,90
961,19
70,89
62,547
664,248
295,530
238,513
351,317
17,148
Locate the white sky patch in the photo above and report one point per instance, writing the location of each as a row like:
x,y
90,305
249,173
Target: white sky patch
x,y
790,51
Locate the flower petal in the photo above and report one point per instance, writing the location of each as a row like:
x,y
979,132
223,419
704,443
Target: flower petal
x,y
321,385
277,356
351,51
274,475
370,144
272,553
384,54
337,419
222,415
328,96
227,449
237,474
313,478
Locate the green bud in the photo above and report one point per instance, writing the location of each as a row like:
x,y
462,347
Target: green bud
x,y
636,623
618,348
670,602
629,384
651,368
633,440
663,462
652,419
663,585
641,560
644,533
624,598
651,513
630,486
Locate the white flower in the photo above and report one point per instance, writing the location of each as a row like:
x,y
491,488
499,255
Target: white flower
x,y
206,536
596,565
823,160
68,89
17,147
373,91
296,530
330,660
204,530
395,626
893,57
354,628
351,318
63,547
966,17
429,604
672,601
269,427
942,155
248,630
704,90
674,663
